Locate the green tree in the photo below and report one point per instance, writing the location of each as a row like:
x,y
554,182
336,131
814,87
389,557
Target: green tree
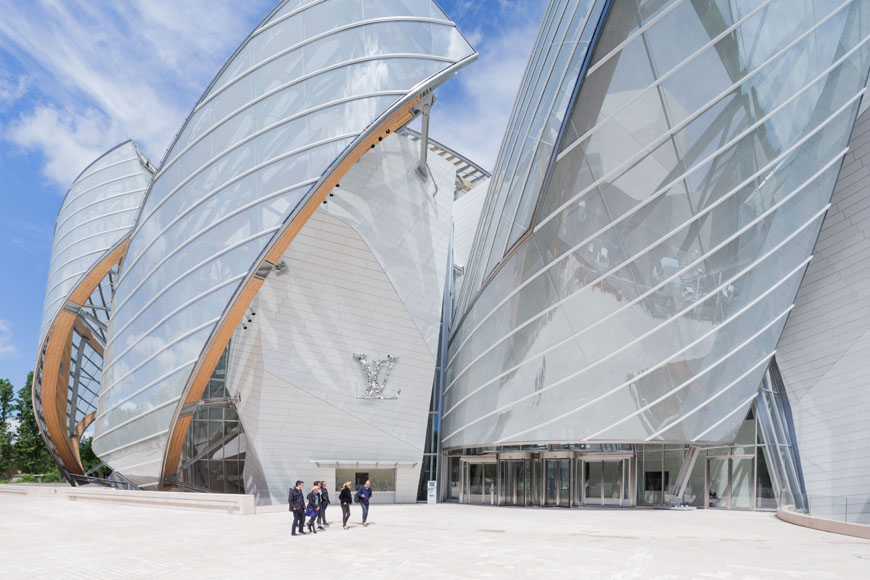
x,y
7,450
31,454
90,459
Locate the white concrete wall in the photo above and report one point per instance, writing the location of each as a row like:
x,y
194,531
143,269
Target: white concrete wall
x,y
824,352
405,221
374,288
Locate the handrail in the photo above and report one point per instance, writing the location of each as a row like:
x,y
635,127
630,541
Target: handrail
x,y
843,514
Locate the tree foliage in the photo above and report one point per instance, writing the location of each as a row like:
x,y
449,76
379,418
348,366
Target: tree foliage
x,y
90,459
21,445
7,449
31,454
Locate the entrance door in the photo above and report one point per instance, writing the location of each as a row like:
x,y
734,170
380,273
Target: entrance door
x,y
515,478
605,482
729,482
557,481
612,488
479,483
490,483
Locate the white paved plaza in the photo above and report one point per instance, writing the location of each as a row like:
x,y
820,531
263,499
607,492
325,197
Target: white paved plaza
x,y
52,538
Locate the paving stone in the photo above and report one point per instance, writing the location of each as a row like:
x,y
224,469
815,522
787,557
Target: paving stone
x,y
54,538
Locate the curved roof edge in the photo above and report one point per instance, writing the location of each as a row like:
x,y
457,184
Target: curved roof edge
x,y
146,163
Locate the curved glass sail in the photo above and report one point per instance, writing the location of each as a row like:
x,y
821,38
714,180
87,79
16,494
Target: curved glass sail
x,y
302,90
94,221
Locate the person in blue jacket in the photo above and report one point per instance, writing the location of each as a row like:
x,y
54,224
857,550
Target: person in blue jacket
x,y
364,496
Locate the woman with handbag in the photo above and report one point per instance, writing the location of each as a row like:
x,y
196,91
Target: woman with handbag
x,y
313,507
346,498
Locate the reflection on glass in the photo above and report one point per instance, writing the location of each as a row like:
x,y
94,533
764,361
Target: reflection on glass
x,y
688,155
717,496
765,495
453,478
741,482
475,483
214,450
593,482
513,482
611,486
489,483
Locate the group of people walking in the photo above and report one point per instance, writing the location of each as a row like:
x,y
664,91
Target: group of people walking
x,y
318,501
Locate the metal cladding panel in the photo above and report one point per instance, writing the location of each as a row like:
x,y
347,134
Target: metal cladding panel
x,y
302,89
364,276
689,187
824,352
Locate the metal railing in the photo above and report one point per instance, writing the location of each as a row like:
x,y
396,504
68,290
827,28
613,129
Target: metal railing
x,y
851,509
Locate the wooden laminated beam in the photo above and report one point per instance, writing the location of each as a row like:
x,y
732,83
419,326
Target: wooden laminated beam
x,y
54,381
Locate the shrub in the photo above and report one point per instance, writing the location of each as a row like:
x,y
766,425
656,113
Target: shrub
x,y
52,476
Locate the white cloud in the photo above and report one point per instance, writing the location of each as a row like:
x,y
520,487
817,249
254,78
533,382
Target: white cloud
x,y
474,114
11,89
105,71
100,72
7,348
71,140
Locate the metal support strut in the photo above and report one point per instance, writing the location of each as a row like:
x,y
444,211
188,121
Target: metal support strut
x,y
676,498
424,107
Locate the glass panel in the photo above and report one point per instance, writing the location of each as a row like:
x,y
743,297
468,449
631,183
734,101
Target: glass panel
x,y
694,494
579,483
593,482
537,476
453,478
564,483
475,483
514,482
741,483
673,461
765,497
718,478
612,483
552,477
653,484
489,483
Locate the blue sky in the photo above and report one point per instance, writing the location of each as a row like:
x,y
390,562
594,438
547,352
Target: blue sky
x,y
78,77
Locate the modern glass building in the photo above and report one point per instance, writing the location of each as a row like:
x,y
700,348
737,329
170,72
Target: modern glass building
x,y
621,314
655,203
90,237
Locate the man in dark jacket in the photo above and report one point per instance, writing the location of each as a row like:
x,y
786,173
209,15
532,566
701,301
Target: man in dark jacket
x,y
297,506
364,496
324,502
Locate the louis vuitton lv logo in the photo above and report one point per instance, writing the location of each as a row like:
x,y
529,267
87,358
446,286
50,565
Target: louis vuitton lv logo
x,y
376,376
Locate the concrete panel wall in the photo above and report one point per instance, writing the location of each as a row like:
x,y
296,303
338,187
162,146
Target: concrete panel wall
x,y
365,275
824,352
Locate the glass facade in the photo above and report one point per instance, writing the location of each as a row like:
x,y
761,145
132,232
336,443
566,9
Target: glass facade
x,y
98,211
658,195
671,232
95,218
301,90
214,449
557,60
739,476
